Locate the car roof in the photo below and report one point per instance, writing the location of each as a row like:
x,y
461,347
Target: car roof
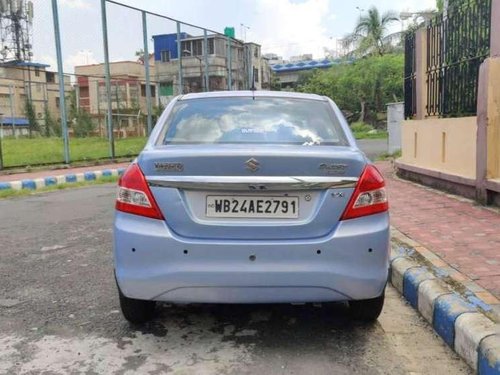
x,y
249,93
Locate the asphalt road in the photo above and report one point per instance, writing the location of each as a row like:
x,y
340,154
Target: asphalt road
x,y
59,313
372,147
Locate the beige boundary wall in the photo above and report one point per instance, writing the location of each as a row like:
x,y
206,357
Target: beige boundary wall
x,y
461,155
493,118
442,145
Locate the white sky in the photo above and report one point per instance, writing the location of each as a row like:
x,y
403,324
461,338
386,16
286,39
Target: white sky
x,y
285,27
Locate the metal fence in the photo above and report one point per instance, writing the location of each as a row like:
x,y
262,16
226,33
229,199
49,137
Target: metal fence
x,y
458,41
410,94
50,115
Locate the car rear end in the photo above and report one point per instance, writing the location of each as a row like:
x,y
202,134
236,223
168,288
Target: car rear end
x,y
251,198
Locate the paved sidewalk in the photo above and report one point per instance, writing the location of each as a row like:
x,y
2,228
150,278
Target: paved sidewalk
x,y
464,235
58,172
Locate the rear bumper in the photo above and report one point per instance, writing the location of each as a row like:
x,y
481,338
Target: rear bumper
x,y
152,263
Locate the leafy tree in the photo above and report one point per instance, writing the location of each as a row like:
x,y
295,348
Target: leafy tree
x,y
83,125
370,34
275,83
363,88
157,111
140,55
80,119
29,111
51,126
440,5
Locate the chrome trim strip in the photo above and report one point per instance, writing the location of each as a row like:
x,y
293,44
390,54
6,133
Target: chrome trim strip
x,y
249,183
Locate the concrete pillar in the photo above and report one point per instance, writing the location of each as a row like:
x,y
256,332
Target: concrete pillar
x,y
482,131
488,112
493,130
395,117
421,73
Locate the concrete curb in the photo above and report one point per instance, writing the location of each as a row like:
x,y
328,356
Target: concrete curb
x,y
458,321
39,183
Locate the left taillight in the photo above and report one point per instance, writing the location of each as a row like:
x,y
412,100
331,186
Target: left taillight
x,y
134,195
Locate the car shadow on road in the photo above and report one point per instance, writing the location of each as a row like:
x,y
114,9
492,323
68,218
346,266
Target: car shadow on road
x,y
267,325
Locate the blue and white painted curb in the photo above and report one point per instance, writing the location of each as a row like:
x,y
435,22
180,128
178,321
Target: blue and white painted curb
x,y
38,183
458,321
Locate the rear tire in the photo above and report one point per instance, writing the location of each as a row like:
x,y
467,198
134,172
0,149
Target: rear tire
x,y
136,311
367,310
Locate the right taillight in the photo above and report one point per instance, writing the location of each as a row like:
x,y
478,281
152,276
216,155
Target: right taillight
x,y
369,197
134,196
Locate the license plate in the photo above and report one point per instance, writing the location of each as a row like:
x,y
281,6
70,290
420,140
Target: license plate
x,y
252,207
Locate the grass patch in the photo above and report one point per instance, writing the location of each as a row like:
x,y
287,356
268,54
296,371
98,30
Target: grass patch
x,y
366,135
387,156
9,193
361,130
33,151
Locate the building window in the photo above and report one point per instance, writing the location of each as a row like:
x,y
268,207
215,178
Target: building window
x,y
84,91
211,46
197,48
133,91
186,46
50,77
37,72
57,102
166,88
256,74
143,91
256,52
165,56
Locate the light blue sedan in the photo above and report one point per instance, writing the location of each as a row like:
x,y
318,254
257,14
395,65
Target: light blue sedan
x,y
251,197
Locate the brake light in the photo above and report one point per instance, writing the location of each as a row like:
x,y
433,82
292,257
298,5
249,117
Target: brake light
x,y
134,196
369,197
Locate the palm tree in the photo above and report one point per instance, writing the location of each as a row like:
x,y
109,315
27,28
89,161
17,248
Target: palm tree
x,y
370,34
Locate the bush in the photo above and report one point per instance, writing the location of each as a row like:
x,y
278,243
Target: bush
x,y
82,124
360,127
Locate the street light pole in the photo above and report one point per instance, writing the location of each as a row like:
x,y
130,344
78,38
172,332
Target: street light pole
x,y
244,29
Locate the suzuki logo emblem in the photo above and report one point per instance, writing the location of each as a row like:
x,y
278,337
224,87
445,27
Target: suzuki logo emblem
x,y
252,164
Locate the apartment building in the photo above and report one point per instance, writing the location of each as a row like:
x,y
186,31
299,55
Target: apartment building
x,y
247,64
128,94
22,81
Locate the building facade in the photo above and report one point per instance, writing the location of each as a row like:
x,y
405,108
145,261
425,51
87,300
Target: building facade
x,y
245,67
28,81
128,94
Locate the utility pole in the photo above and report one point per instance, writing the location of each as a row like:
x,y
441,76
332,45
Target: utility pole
x,y
146,72
229,65
205,47
1,140
98,96
11,97
107,73
179,58
62,98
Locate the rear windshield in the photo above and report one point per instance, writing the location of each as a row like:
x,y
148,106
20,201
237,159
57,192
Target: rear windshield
x,y
262,120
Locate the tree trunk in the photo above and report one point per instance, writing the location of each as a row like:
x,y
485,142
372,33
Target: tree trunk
x,y
363,111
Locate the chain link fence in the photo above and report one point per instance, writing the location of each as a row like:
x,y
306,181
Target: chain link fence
x,y
104,108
